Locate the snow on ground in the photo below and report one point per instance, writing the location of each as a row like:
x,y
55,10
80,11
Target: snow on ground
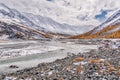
x,y
27,54
23,48
111,43
15,42
15,49
4,37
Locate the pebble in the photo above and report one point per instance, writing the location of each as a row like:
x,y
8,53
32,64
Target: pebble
x,y
101,64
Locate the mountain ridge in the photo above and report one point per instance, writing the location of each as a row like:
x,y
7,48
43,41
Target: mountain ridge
x,y
108,29
19,31
44,25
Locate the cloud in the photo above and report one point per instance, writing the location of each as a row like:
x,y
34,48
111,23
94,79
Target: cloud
x,y
74,12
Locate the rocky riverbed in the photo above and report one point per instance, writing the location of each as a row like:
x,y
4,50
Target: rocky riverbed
x,y
103,64
100,64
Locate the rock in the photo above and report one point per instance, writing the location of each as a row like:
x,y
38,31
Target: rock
x,y
13,66
101,64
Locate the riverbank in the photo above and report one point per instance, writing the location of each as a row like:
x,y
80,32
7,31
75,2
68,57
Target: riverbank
x,y
103,64
37,51
100,62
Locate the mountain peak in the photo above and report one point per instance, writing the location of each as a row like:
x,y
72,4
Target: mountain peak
x,y
3,7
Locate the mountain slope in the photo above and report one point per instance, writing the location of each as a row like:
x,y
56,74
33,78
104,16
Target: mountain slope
x,y
109,29
14,30
41,27
37,22
14,25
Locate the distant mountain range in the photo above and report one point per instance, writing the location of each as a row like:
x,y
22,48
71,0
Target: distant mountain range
x,y
12,20
108,29
15,24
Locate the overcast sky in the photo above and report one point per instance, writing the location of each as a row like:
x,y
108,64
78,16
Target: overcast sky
x,y
77,12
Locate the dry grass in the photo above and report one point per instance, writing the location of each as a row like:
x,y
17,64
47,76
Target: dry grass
x,y
118,67
107,63
95,61
113,35
78,59
80,68
118,73
100,34
112,69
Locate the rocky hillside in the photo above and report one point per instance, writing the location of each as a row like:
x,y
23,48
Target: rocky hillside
x,y
112,31
13,30
20,25
38,22
109,29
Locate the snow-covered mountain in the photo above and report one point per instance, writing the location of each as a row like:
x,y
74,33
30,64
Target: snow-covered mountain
x,y
62,11
112,20
13,30
73,12
12,25
43,24
66,17
10,18
108,29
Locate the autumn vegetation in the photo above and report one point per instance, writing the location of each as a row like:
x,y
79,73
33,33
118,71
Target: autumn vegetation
x,y
104,33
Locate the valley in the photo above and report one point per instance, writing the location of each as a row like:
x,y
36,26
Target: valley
x,y
59,40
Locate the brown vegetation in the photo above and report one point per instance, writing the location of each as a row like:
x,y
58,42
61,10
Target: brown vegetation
x,y
113,35
78,59
107,63
80,68
112,69
101,34
95,61
118,73
118,67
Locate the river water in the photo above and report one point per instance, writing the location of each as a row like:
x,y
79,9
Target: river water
x,y
26,54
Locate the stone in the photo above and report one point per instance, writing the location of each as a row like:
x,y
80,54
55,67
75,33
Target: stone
x,y
13,66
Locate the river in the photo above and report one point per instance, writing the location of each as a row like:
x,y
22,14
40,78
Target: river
x,y
26,54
